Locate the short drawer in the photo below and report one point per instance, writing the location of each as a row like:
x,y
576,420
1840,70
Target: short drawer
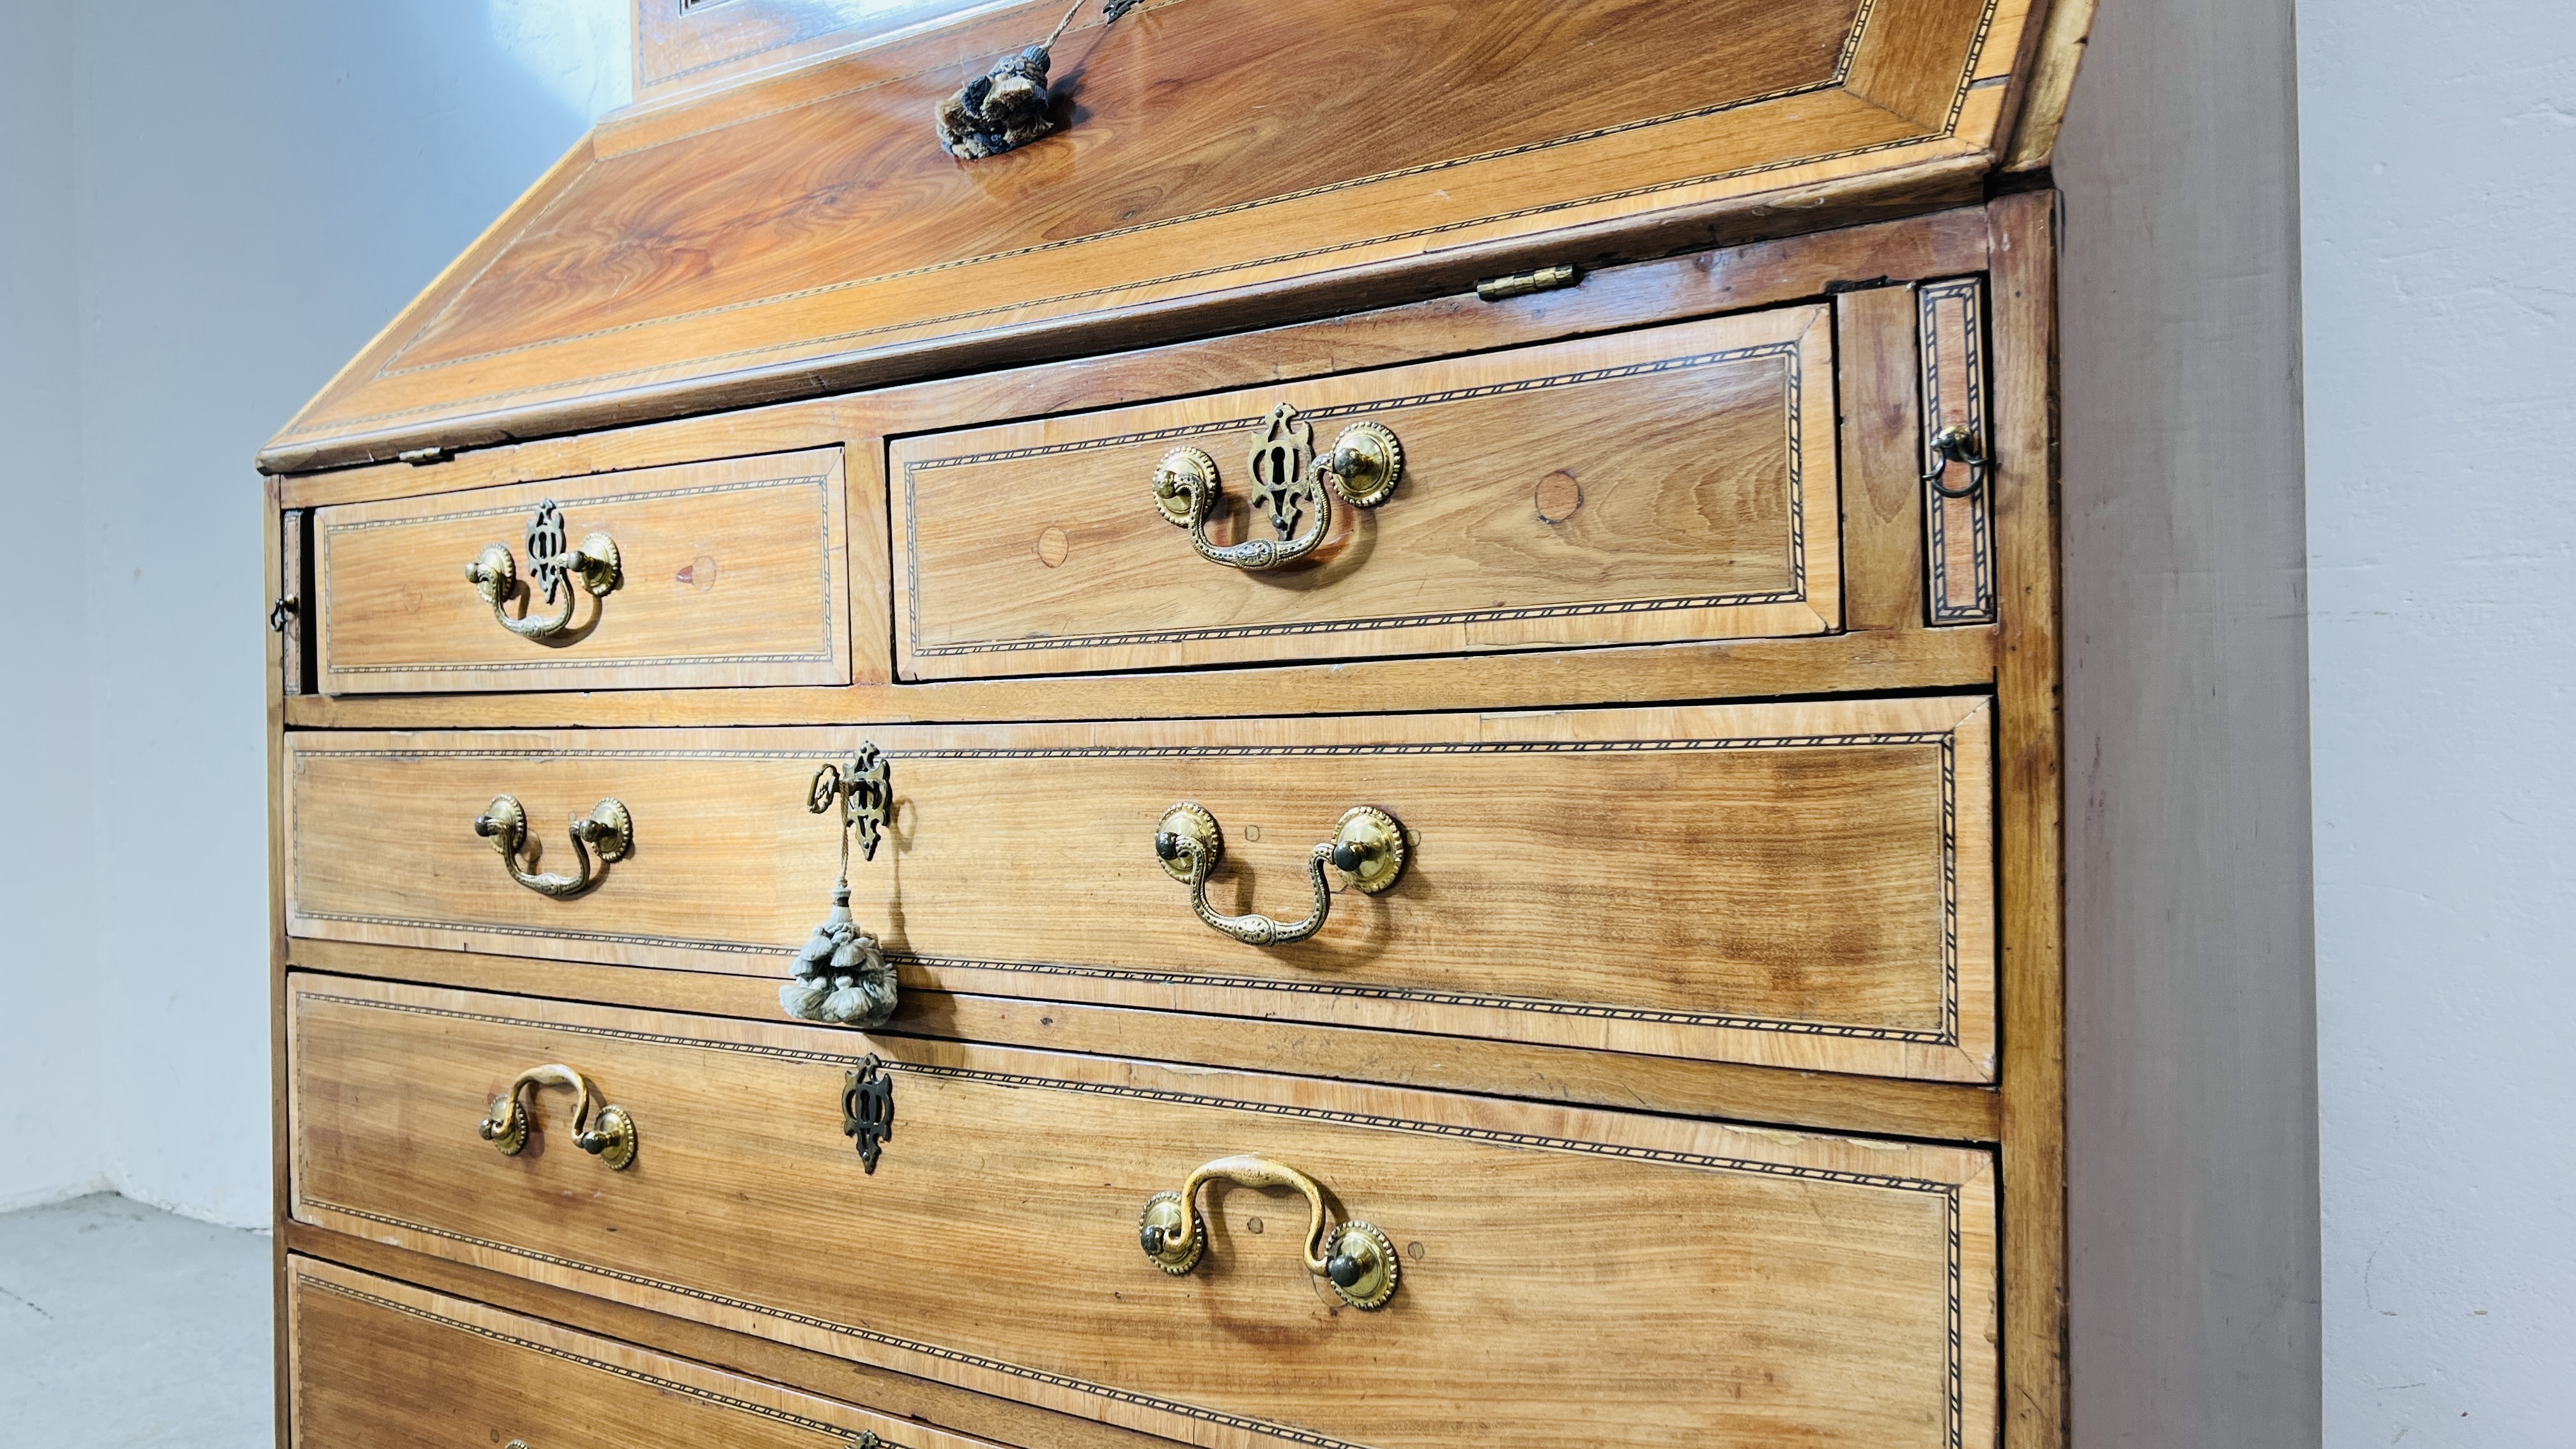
x,y
1674,483
1558,1273
388,1366
1805,885
710,574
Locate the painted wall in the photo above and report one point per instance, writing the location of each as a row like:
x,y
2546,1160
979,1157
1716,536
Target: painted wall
x,y
2439,177
211,207
49,1033
2191,1091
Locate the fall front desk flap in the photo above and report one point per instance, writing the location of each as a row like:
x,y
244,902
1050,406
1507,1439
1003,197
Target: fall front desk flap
x,y
1209,164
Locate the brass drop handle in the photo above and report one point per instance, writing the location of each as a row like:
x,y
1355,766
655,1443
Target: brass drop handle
x,y
1956,444
1367,846
594,566
609,829
1355,1257
599,1128
1292,486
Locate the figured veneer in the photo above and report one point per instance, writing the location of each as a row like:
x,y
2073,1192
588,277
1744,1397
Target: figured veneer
x,y
1803,885
381,1363
1685,1283
805,231
1676,483
732,572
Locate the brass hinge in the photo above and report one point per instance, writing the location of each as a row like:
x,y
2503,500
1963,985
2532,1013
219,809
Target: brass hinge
x,y
1521,284
422,457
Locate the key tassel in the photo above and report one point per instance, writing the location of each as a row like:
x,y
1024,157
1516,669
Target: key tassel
x,y
1006,107
841,975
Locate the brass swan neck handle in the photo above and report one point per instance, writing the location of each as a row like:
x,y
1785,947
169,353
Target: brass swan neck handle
x,y
609,828
599,1127
1292,486
593,568
1367,846
1355,1257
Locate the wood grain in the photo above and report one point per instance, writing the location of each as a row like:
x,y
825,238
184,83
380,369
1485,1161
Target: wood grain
x,y
1671,484
2047,83
800,224
898,1395
1835,1291
1958,541
2031,762
1793,885
381,1363
1882,438
1607,298
293,606
1887,662
734,572
1577,1076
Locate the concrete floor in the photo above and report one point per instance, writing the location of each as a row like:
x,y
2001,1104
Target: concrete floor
x,y
124,1327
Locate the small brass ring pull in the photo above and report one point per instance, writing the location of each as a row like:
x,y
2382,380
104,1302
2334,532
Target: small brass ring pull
x,y
1956,444
1355,1257
594,567
1292,486
608,828
599,1128
1367,846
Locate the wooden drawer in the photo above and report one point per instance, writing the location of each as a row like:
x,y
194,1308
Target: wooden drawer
x,y
729,573
384,1365
1803,885
1674,483
1629,1280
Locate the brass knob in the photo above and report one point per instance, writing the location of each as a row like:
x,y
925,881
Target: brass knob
x,y
1956,444
1355,1257
1367,845
599,1128
609,829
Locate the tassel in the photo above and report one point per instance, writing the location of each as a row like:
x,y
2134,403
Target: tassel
x,y
1006,107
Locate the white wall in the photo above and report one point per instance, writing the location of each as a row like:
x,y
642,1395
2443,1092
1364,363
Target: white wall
x,y
2191,1091
211,207
2439,172
48,1032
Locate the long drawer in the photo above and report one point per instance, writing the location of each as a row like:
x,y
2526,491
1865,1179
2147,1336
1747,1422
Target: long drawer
x,y
1805,885
1675,483
383,1365
1558,1274
728,572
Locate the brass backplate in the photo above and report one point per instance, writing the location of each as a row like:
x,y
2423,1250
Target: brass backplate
x,y
1164,1215
1190,822
1373,1255
1378,841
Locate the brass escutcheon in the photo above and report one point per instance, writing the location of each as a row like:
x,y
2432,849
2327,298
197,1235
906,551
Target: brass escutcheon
x,y
608,829
599,1128
1355,1257
594,566
1367,847
1293,487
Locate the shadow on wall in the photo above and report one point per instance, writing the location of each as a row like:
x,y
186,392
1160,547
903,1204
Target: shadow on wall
x,y
256,188
578,50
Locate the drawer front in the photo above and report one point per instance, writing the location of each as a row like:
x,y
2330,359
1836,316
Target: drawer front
x,y
1804,885
1677,483
1645,1281
389,1366
728,573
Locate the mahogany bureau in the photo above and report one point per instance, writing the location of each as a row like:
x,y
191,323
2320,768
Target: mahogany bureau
x,y
1356,748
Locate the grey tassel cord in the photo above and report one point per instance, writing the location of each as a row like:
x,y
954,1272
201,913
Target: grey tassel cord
x,y
1005,108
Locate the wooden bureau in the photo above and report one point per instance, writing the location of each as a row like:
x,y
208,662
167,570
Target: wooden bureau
x,y
1443,738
